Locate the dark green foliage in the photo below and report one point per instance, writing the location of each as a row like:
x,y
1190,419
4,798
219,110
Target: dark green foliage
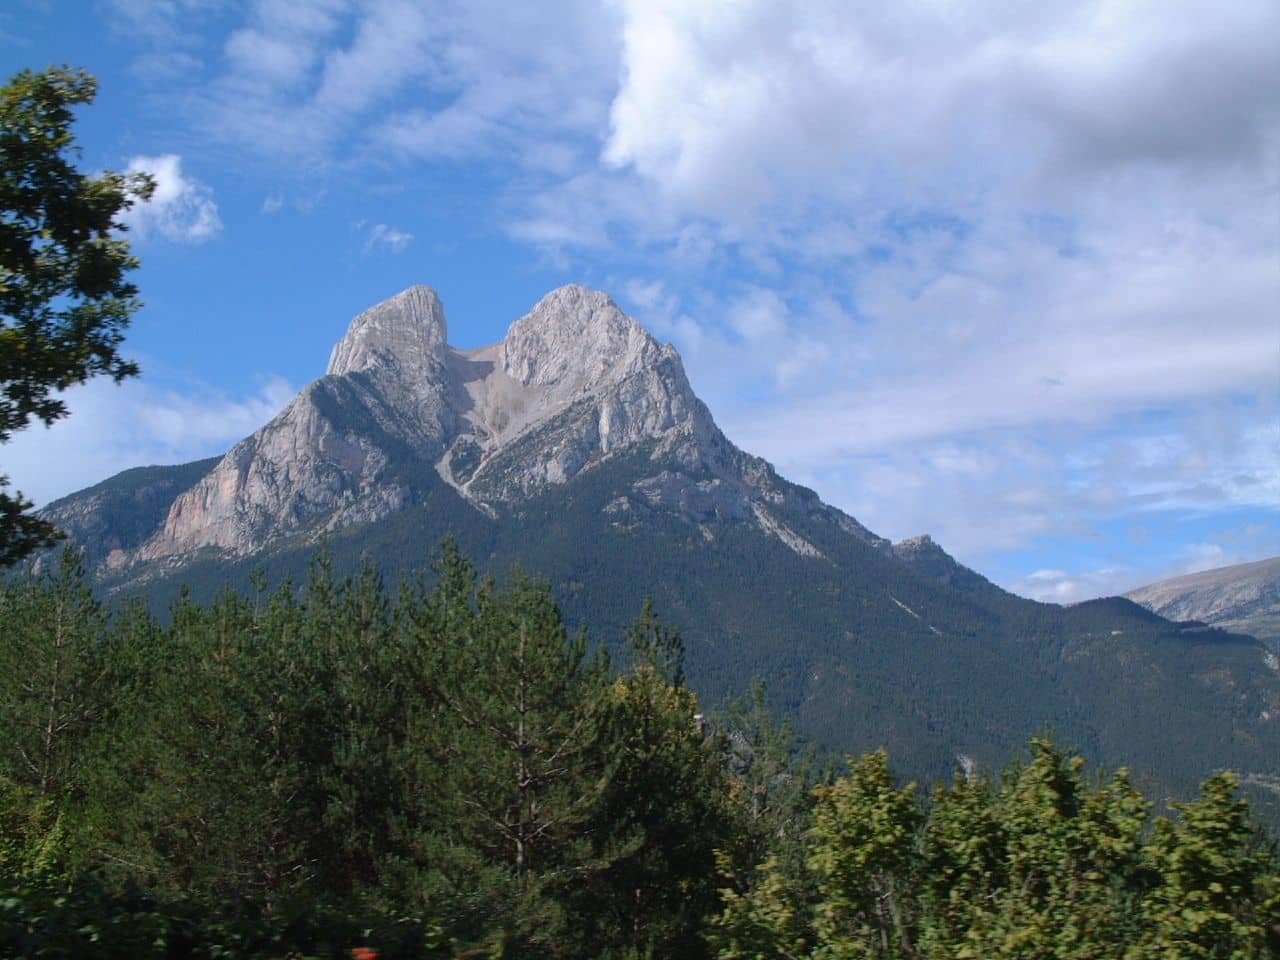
x,y
64,299
664,812
1216,886
88,919
452,753
863,856
1036,864
54,685
860,650
451,772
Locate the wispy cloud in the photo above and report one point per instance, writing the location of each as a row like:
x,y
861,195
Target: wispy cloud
x,y
112,428
166,23
380,236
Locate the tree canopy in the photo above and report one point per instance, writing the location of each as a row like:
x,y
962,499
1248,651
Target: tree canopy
x,y
65,299
446,770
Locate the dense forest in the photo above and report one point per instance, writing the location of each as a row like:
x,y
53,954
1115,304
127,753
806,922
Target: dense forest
x,y
444,769
859,649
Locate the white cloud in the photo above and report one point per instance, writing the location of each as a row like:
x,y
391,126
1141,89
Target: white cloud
x,y
272,204
384,237
112,428
166,22
512,83
1022,257
997,271
1059,586
181,209
734,106
760,315
325,83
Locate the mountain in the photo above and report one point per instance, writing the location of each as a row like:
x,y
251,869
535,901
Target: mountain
x,y
576,448
1244,598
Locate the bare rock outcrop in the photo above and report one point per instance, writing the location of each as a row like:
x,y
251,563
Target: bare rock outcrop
x,y
1244,597
574,383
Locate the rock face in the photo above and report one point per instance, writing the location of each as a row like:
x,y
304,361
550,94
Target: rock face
x,y
574,383
1244,598
576,448
924,556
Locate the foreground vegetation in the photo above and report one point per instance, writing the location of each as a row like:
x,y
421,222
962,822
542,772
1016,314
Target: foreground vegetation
x,y
446,772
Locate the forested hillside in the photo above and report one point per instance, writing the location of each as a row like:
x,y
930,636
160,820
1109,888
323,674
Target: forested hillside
x,y
859,648
445,769
576,448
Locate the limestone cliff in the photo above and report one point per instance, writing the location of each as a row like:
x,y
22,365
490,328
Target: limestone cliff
x,y
574,382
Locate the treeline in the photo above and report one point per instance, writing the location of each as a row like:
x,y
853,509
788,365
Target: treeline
x,y
444,770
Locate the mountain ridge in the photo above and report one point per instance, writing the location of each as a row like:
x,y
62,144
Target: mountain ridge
x,y
1243,597
576,448
574,381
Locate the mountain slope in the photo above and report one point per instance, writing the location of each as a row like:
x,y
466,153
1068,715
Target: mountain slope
x,y
1244,598
576,448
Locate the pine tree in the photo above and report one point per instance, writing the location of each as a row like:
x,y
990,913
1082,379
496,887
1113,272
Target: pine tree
x,y
52,689
864,829
511,768
1218,894
663,813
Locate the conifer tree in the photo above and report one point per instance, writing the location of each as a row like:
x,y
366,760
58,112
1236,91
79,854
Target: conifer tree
x,y
511,761
864,830
52,686
1218,890
664,811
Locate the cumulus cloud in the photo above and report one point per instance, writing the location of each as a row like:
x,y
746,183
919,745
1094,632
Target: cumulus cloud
x,y
181,209
112,428
996,271
1022,278
730,107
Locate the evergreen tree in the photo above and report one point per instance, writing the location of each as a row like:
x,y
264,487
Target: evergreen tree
x,y
864,829
1218,889
663,813
55,695
511,770
763,922
1043,866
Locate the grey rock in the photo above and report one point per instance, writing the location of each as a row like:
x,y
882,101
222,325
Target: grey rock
x,y
574,383
1244,598
925,556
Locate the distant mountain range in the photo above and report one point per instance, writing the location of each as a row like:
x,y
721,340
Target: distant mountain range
x,y
576,448
1244,598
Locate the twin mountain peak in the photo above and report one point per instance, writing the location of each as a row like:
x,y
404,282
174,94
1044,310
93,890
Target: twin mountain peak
x,y
576,448
574,384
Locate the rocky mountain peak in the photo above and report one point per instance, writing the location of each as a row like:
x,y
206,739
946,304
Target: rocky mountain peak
x,y
921,543
407,331
575,383
575,339
924,555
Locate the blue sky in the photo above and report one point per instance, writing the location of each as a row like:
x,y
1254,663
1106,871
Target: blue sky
x,y
1006,273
